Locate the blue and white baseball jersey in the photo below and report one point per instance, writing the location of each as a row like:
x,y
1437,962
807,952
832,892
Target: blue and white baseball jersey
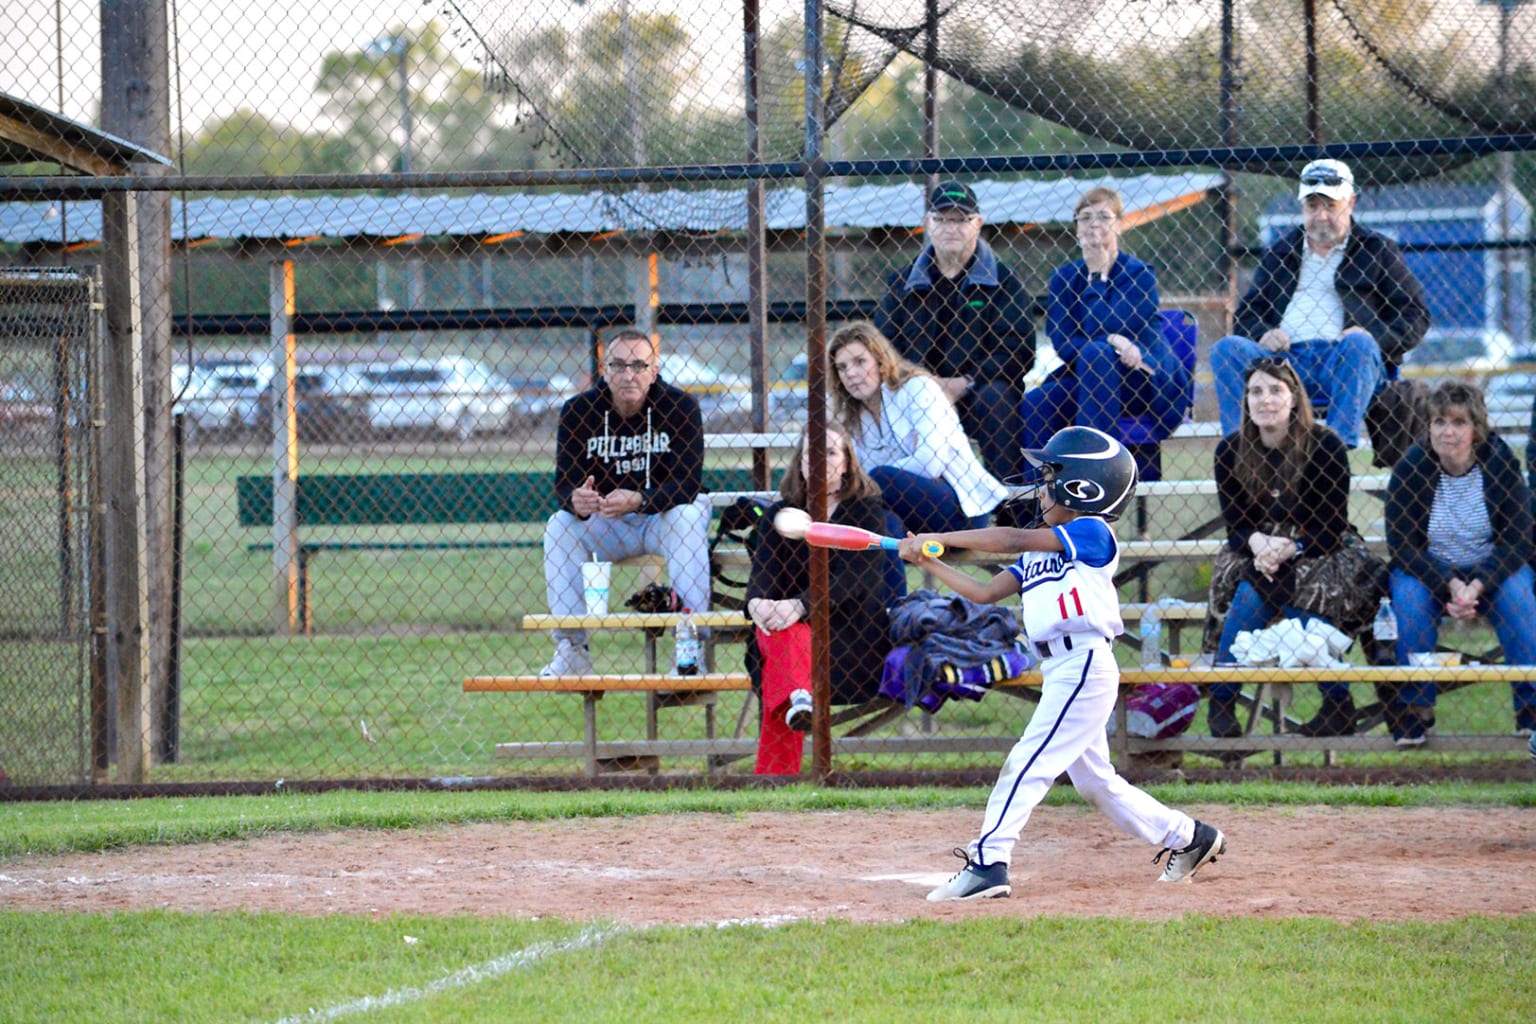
x,y
1073,590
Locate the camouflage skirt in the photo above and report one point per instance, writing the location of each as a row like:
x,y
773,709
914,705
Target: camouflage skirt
x,y
1345,587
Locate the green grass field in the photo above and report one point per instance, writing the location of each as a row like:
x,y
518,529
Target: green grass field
x,y
163,966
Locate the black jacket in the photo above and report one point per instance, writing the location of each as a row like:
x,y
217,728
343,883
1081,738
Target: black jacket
x,y
781,570
1411,493
978,328
1379,292
1314,511
658,452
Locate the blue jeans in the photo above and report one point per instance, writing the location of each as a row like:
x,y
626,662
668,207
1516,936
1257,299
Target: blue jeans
x,y
1511,610
1097,393
923,504
1250,611
1343,375
989,412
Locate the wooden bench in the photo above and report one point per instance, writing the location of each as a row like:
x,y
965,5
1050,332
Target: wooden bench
x,y
610,756
1271,700
669,691
1274,684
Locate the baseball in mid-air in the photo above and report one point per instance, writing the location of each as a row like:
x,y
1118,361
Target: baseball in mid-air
x,y
792,523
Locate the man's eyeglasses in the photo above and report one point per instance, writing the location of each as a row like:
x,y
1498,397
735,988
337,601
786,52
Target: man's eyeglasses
x,y
1098,217
1331,179
951,221
618,366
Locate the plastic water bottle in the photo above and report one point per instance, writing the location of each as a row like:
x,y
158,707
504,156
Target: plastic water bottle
x,y
1152,636
685,645
1385,626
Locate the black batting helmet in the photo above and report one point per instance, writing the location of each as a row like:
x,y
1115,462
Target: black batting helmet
x,y
1087,471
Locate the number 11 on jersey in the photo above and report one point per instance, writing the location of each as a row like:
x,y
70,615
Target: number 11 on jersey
x,y
1077,603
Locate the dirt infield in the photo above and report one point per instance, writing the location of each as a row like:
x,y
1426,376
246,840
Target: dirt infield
x,y
1348,864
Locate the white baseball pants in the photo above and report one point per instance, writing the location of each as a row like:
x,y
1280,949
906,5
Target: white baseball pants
x,y
1067,734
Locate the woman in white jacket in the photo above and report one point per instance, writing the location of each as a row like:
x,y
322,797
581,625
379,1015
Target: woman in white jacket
x,y
907,434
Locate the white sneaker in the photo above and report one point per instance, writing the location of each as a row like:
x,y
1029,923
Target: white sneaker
x,y
800,712
571,659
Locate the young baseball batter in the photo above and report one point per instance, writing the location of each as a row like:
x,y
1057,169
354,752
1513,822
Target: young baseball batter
x,y
1072,615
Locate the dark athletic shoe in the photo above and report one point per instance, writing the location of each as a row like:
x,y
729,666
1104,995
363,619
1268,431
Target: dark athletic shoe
x,y
1207,845
973,882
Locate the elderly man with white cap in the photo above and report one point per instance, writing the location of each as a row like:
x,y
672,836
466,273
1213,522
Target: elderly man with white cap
x,y
1332,298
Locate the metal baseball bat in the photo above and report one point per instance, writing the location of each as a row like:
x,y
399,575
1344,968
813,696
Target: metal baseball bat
x,y
853,538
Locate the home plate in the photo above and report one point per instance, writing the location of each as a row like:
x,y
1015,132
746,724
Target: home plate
x,y
927,878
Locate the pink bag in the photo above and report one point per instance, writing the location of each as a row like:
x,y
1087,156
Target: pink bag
x,y
1156,711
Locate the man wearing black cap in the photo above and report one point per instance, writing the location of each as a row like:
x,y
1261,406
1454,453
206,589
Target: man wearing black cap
x,y
960,313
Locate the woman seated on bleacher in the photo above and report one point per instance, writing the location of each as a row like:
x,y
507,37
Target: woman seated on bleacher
x,y
1283,483
1103,321
908,435
861,585
1459,533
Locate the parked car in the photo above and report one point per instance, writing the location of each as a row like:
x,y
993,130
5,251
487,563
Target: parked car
x,y
1511,394
789,398
330,403
452,395
222,400
23,407
533,398
719,393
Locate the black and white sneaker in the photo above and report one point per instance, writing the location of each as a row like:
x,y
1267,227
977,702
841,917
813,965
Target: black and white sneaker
x,y
1207,845
974,882
800,712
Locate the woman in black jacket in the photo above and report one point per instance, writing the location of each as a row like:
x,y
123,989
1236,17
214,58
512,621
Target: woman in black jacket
x,y
1283,483
1459,532
861,586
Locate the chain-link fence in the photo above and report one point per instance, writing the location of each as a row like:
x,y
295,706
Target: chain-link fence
x,y
51,325
396,241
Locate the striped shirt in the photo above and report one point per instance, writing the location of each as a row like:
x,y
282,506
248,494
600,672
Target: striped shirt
x,y
1460,533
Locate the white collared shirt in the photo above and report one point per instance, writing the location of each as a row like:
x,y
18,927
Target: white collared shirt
x,y
1315,312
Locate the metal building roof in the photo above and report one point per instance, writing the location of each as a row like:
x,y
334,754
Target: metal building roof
x,y
338,218
30,133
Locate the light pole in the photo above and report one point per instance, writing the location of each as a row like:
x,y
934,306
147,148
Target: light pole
x,y
1506,174
398,47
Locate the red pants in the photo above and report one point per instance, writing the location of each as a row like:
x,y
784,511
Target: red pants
x,y
786,668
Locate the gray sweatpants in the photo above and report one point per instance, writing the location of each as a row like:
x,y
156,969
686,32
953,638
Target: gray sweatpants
x,y
680,535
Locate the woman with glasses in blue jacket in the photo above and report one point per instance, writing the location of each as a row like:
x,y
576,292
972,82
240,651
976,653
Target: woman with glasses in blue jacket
x,y
1103,321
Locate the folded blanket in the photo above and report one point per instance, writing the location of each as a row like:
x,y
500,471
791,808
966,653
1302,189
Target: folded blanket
x,y
950,631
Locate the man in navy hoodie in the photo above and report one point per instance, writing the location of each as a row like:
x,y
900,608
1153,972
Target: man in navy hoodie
x,y
629,475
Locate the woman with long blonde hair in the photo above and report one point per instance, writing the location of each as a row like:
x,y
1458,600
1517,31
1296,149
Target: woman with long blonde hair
x,y
907,434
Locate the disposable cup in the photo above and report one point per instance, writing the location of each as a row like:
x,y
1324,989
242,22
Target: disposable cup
x,y
595,578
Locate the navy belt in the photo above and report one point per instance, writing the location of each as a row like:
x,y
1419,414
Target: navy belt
x,y
1062,645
